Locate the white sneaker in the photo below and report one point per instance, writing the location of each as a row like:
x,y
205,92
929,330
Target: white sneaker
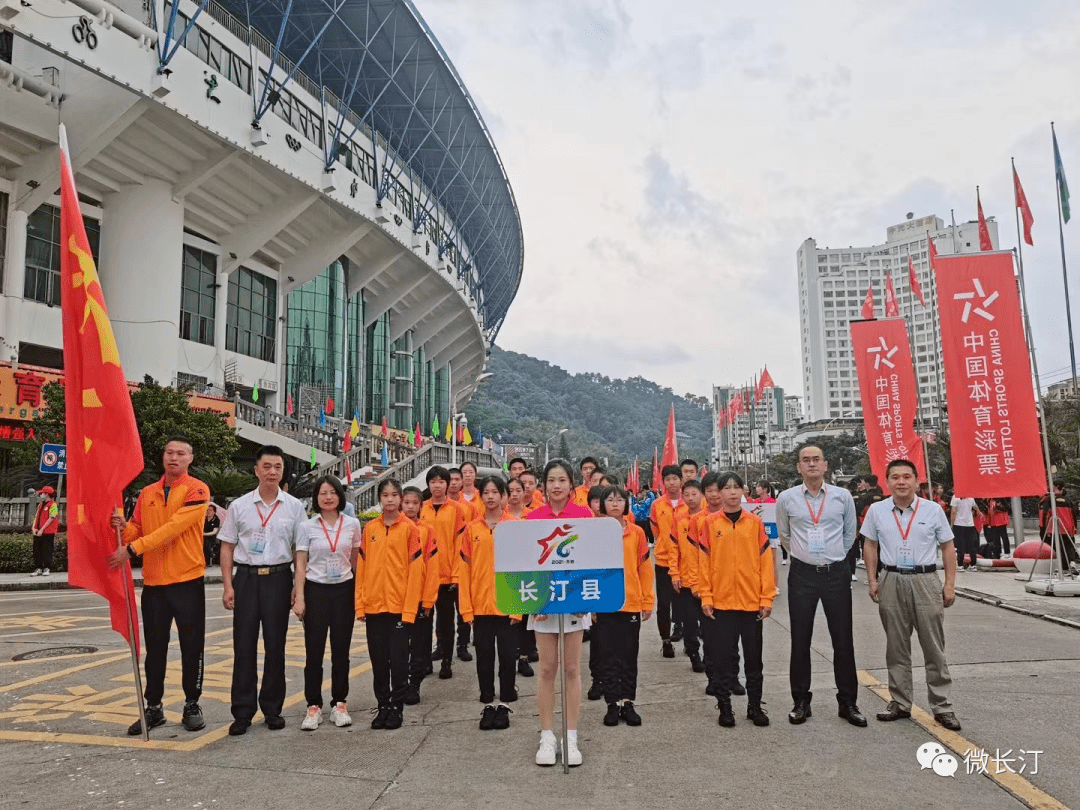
x,y
545,754
784,562
854,578
339,715
313,718
45,573
37,572
573,755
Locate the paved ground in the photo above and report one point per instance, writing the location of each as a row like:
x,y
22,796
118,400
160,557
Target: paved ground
x,y
62,724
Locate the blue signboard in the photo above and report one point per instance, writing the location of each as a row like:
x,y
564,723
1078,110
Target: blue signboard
x,y
53,459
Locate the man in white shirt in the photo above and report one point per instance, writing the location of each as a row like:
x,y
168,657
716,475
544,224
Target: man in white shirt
x,y
962,512
905,533
259,538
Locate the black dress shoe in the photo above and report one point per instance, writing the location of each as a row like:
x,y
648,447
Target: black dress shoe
x,y
629,714
738,688
757,715
727,716
800,713
893,712
524,669
851,713
534,656
275,723
667,650
464,654
612,716
239,727
446,671
596,691
948,719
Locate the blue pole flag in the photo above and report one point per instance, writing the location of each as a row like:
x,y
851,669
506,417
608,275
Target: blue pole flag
x,y
384,458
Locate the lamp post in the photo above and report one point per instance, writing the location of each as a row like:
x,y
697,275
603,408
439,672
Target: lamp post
x,y
547,455
454,415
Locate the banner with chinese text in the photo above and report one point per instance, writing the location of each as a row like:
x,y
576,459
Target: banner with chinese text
x,y
889,396
993,426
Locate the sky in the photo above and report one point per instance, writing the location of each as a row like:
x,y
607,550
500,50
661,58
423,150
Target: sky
x,y
668,164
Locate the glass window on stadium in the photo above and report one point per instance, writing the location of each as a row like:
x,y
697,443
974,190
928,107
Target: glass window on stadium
x,y
43,253
251,316
354,356
442,395
377,368
220,59
420,387
315,339
197,296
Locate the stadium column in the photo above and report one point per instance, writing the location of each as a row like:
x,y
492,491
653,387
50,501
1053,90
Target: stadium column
x,y
141,258
14,281
221,307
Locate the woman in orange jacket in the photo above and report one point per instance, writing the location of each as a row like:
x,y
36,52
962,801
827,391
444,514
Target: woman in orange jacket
x,y
737,587
389,589
492,628
620,632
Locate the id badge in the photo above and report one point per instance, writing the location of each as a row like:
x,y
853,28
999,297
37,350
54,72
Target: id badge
x,y
905,556
258,541
816,540
335,567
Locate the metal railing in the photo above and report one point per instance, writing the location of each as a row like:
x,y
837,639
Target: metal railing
x,y
18,513
305,430
366,498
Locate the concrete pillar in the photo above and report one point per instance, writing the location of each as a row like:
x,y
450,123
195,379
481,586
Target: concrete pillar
x,y
14,282
221,307
142,243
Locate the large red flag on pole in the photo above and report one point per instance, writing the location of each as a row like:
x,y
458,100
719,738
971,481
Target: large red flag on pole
x,y
671,449
104,453
984,230
657,481
931,251
994,430
889,396
868,304
913,279
766,381
892,309
1025,209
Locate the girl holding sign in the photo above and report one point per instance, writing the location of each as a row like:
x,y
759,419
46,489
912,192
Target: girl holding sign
x,y
326,548
475,576
620,632
558,483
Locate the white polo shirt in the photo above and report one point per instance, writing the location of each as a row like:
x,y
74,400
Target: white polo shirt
x,y
964,506
926,526
263,534
329,548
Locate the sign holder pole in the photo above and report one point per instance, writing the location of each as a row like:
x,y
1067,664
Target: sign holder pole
x,y
562,673
131,646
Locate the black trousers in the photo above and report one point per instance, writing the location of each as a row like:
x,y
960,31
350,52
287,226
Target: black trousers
x,y
620,635
665,601
328,608
998,538
489,633
388,649
419,648
43,550
464,632
806,587
726,629
184,603
690,609
967,544
854,555
526,638
596,646
446,614
261,602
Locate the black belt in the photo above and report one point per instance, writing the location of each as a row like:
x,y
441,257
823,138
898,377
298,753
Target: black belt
x,y
833,566
915,569
266,570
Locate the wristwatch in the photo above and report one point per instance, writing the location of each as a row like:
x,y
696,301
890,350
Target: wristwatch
x,y
131,551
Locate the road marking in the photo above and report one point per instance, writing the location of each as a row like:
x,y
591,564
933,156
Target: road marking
x,y
86,629
1014,783
55,658
11,687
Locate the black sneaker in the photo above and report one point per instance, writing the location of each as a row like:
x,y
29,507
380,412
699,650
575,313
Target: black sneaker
x,y
738,688
239,727
596,691
445,671
667,650
155,716
757,715
629,714
275,723
464,654
395,717
710,689
676,633
695,663
193,716
612,716
412,695
727,716
487,718
436,654
525,669
534,656
379,721
502,717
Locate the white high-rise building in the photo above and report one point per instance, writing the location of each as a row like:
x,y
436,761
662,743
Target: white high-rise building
x,y
832,287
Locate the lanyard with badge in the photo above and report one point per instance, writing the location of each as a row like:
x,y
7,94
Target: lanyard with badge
x,y
335,568
905,556
258,542
815,538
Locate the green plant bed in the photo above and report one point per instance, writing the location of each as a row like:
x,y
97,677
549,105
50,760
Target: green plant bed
x,y
17,553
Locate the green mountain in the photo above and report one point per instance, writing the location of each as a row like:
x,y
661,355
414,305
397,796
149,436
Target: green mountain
x,y
528,400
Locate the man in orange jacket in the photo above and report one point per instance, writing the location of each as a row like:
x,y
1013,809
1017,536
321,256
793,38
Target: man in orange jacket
x,y
166,531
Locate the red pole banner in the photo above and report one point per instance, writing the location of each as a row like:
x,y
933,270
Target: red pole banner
x,y
889,396
993,426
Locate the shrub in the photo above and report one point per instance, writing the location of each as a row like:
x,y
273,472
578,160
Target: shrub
x,y
17,553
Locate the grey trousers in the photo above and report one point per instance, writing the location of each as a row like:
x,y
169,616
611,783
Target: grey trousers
x,y
907,601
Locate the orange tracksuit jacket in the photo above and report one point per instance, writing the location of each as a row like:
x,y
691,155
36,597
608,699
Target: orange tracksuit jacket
x,y
389,569
537,499
638,569
448,522
430,590
662,521
169,535
736,570
580,495
686,548
475,574
468,508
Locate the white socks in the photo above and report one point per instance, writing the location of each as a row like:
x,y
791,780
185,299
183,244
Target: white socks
x,y
547,734
571,734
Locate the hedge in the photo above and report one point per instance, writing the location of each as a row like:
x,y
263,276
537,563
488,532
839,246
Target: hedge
x,y
17,553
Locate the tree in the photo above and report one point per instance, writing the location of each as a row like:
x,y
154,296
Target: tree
x,y
564,448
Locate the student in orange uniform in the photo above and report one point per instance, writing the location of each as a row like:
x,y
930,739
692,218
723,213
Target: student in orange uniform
x,y
620,632
684,575
517,466
581,493
662,522
447,520
710,487
516,507
472,510
469,493
476,588
166,531
737,588
596,690
389,585
533,495
420,629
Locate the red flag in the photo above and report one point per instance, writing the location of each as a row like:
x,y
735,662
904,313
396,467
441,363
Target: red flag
x,y
931,251
766,381
346,445
657,481
460,433
417,440
288,405
892,310
1025,209
722,420
671,449
329,406
984,231
993,426
888,393
738,406
104,453
868,304
348,472
913,280
385,428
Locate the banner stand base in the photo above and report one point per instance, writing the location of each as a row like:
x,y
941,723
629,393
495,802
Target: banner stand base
x,y
1054,587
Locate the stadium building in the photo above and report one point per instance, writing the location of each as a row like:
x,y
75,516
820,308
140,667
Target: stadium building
x,y
290,201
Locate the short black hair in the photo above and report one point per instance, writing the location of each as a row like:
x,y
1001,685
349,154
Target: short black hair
x,y
497,480
561,464
339,490
722,479
768,487
608,492
872,479
179,437
595,493
709,479
588,460
896,462
514,481
688,462
439,472
671,469
693,483
412,491
528,471
269,450
596,470
611,478
454,471
387,483
517,460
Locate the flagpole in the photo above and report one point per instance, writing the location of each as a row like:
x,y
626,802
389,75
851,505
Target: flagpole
x,y
935,325
918,389
1064,271
131,644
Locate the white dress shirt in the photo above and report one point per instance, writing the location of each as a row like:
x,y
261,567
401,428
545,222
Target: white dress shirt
x,y
817,530
263,534
329,548
923,520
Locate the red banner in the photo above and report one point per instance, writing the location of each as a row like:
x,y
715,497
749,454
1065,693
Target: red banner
x,y
996,447
889,395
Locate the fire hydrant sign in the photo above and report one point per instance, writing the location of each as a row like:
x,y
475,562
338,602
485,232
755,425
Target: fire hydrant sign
x,y
559,566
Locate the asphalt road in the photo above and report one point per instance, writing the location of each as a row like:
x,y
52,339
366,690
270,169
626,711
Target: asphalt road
x,y
63,721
